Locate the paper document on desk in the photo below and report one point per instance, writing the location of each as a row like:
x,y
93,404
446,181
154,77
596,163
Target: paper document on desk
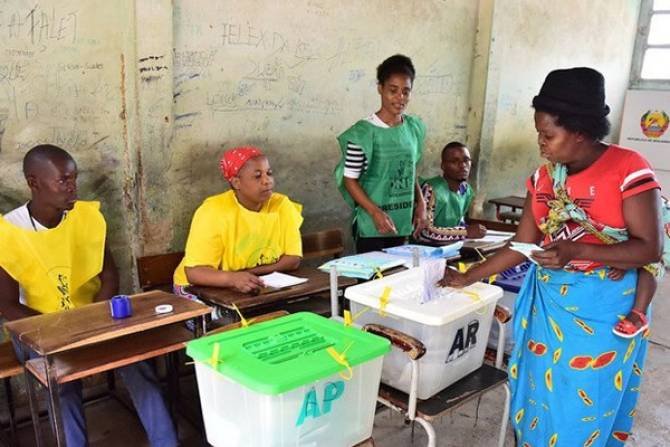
x,y
494,236
278,280
364,265
525,249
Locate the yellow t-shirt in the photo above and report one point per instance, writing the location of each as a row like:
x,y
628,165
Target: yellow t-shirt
x,y
226,236
58,268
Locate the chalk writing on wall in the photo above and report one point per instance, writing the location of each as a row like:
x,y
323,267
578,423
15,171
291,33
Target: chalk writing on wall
x,y
39,25
151,68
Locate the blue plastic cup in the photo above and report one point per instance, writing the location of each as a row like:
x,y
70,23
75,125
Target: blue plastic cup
x,y
120,307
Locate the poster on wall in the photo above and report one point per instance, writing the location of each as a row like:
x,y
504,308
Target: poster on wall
x,y
645,127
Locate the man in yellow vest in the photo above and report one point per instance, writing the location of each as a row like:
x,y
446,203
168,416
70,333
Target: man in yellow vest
x,y
54,258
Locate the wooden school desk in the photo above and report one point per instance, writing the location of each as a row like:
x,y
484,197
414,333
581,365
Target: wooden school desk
x,y
84,341
513,202
248,303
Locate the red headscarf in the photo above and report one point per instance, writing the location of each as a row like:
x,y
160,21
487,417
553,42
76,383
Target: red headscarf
x,y
233,159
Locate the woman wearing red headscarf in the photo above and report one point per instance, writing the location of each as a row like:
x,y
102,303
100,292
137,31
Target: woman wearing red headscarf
x,y
244,232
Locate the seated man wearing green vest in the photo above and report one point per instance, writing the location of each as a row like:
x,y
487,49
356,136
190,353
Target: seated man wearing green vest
x,y
448,198
54,258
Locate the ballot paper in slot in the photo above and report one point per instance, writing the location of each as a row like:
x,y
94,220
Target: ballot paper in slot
x,y
433,271
277,280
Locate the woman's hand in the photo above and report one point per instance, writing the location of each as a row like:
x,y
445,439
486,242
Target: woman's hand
x,y
245,282
475,231
557,254
453,278
383,222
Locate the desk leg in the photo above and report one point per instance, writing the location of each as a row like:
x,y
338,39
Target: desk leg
x,y
54,401
9,396
32,399
199,326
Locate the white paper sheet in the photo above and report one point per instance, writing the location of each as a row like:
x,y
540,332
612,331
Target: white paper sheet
x,y
433,271
279,280
494,236
525,249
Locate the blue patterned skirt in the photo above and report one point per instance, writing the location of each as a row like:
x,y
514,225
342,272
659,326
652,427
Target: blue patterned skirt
x,y
574,383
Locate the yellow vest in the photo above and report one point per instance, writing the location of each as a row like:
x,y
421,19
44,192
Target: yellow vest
x,y
226,236
57,268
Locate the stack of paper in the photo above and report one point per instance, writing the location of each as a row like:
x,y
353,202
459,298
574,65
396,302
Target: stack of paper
x,y
364,265
277,280
426,251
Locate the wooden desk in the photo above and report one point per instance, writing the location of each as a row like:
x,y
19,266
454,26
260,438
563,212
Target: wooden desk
x,y
513,202
61,331
112,354
83,341
317,282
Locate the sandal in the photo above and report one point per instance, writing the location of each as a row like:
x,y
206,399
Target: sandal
x,y
627,329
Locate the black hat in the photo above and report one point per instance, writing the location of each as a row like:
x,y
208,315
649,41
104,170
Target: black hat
x,y
579,91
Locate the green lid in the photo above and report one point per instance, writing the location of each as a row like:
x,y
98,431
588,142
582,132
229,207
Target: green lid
x,y
282,354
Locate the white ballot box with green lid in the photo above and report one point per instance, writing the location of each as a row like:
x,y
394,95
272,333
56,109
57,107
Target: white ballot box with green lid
x,y
453,327
299,380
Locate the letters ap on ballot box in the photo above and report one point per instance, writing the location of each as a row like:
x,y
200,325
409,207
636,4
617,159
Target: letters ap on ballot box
x,y
297,380
453,324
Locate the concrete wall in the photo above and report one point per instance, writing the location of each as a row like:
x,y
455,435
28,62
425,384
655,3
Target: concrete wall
x,y
65,70
528,39
147,94
290,78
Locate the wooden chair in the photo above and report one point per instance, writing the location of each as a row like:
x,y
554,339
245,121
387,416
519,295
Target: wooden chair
x,y
9,367
323,244
469,387
156,271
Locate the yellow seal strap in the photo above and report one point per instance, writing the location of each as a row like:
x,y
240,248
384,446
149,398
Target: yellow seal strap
x,y
243,321
474,296
384,300
350,319
341,358
214,359
492,278
378,273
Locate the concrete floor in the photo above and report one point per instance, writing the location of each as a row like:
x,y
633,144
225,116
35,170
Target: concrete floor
x,y
111,425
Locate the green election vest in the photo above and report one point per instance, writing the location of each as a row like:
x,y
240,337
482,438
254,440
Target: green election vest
x,y
451,207
392,154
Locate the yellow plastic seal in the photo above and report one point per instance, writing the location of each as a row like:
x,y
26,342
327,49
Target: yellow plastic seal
x,y
341,358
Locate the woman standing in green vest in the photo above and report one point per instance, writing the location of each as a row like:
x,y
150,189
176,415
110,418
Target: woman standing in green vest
x,y
377,172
